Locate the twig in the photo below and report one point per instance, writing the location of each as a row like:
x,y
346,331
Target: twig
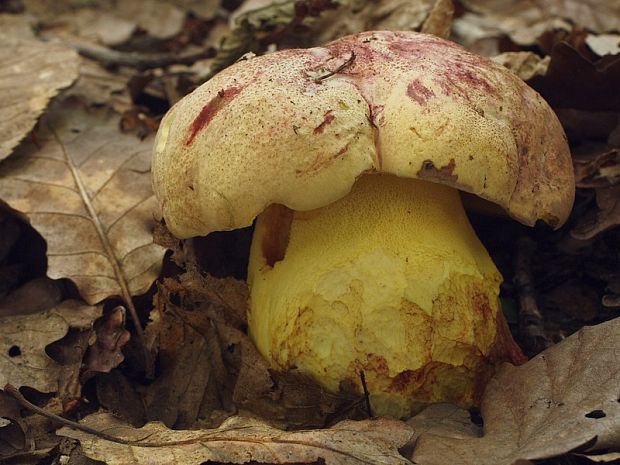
x,y
14,392
337,70
531,324
140,61
366,393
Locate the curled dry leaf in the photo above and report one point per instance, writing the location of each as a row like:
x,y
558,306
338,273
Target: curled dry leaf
x,y
439,20
242,440
105,353
389,15
525,21
526,65
31,72
604,44
573,81
23,360
564,398
607,215
98,86
599,169
86,188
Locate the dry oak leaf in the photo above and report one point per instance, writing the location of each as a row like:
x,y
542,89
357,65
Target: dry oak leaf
x,y
23,338
524,64
605,217
86,188
563,399
242,440
525,20
31,73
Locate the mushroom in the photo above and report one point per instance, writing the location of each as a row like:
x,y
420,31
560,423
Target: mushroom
x,y
351,157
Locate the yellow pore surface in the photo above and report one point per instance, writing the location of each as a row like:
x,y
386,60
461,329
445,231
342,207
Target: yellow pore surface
x,y
391,280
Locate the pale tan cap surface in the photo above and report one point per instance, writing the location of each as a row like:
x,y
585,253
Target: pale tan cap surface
x,y
276,129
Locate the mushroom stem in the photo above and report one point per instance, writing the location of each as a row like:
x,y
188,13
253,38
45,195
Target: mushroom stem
x,y
390,280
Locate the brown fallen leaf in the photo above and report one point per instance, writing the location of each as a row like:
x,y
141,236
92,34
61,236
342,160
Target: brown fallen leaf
x,y
113,23
600,169
86,188
31,72
573,81
192,375
23,339
105,353
37,295
604,44
524,64
98,86
563,399
439,418
356,16
525,21
241,440
439,20
605,217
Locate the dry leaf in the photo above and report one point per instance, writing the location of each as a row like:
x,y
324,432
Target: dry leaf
x,y
439,20
599,167
607,215
563,399
86,188
105,353
31,72
95,25
16,26
37,295
526,65
23,339
604,44
159,18
439,418
525,21
365,15
241,440
573,81
98,86
192,374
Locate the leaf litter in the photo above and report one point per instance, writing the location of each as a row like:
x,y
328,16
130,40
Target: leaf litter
x,y
86,189
207,367
32,73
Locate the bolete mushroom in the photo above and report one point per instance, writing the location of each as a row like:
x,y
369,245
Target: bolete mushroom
x,y
350,157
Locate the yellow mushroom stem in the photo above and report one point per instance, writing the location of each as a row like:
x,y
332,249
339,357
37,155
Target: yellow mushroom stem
x,y
390,280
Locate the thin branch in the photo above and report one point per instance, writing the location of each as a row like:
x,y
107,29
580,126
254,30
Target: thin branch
x,y
141,61
329,74
366,393
14,392
531,325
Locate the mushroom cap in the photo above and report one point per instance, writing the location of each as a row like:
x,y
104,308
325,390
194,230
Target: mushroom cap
x,y
298,126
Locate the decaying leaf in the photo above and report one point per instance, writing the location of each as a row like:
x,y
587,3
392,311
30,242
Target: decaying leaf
x,y
563,399
23,360
241,440
526,65
391,15
111,335
573,81
601,168
604,44
607,215
99,86
439,20
31,72
525,21
85,187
